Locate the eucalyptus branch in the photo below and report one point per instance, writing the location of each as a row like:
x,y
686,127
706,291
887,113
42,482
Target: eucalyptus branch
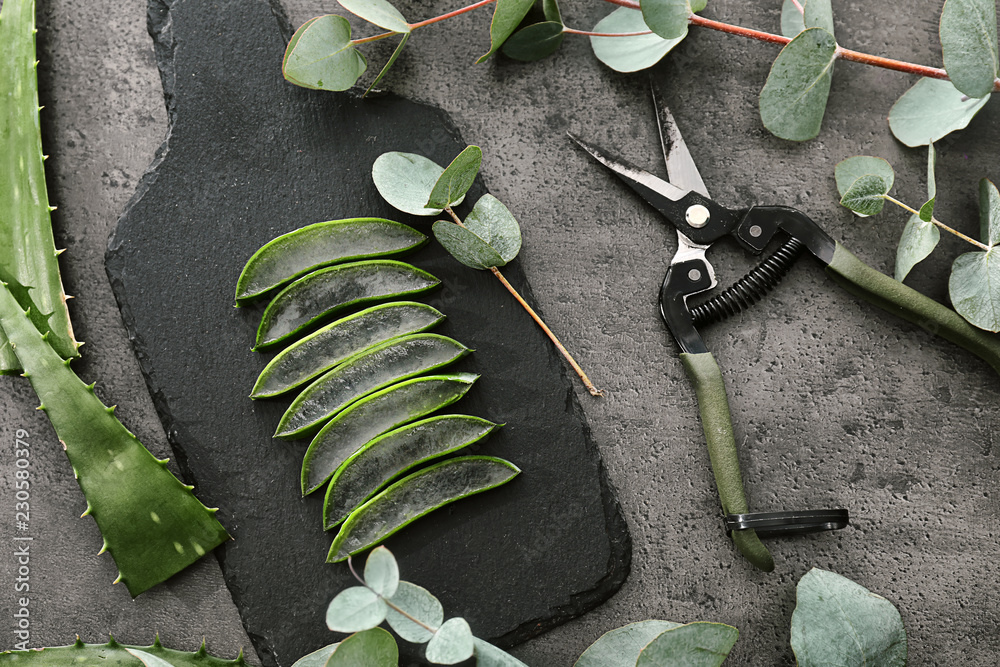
x,y
387,601
594,391
981,246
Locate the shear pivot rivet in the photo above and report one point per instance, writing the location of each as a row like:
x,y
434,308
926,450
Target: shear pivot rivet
x,y
756,231
697,216
694,275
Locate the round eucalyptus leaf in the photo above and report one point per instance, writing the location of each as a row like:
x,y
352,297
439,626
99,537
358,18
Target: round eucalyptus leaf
x,y
406,180
491,221
931,109
867,195
971,288
692,645
814,14
918,240
968,32
382,572
457,178
848,171
453,642
355,609
667,18
488,655
838,622
421,605
465,246
793,100
379,12
371,648
320,55
989,212
316,658
621,647
535,42
629,54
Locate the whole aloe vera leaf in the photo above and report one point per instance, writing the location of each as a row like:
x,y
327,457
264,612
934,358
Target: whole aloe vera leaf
x,y
311,298
389,455
372,416
367,371
296,253
27,249
112,654
320,351
152,524
415,496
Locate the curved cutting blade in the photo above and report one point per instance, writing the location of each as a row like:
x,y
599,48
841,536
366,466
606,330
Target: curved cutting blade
x,y
681,169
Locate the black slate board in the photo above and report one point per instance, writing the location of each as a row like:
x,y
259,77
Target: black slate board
x,y
249,157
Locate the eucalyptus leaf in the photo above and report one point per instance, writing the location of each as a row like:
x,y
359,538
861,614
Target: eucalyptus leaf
x,y
817,14
931,177
629,54
971,287
867,195
371,648
320,55
838,622
931,109
692,645
926,211
793,100
419,604
491,221
507,15
848,171
453,642
537,41
389,63
317,658
406,180
989,212
488,655
668,18
621,647
465,246
550,10
355,609
379,12
382,572
918,240
968,32
147,659
456,179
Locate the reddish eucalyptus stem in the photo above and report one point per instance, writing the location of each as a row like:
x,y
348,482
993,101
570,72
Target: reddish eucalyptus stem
x,y
457,12
842,53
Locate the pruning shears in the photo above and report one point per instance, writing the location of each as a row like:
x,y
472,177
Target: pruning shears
x,y
684,201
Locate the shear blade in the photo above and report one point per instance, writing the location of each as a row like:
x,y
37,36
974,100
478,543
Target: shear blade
x,y
681,169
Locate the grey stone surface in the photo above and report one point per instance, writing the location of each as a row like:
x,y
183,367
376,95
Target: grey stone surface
x,y
835,403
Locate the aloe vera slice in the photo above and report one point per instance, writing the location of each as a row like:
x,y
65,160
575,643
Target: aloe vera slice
x,y
326,291
415,496
367,371
320,351
295,254
374,415
395,452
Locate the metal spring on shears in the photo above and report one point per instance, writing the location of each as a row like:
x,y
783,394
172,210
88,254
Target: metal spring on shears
x,y
751,288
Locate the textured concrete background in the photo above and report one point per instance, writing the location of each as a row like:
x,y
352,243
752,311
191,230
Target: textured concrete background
x,y
834,402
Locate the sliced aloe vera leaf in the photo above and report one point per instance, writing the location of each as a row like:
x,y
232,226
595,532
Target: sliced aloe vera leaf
x,y
372,416
365,372
336,342
296,253
415,496
367,470
321,293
